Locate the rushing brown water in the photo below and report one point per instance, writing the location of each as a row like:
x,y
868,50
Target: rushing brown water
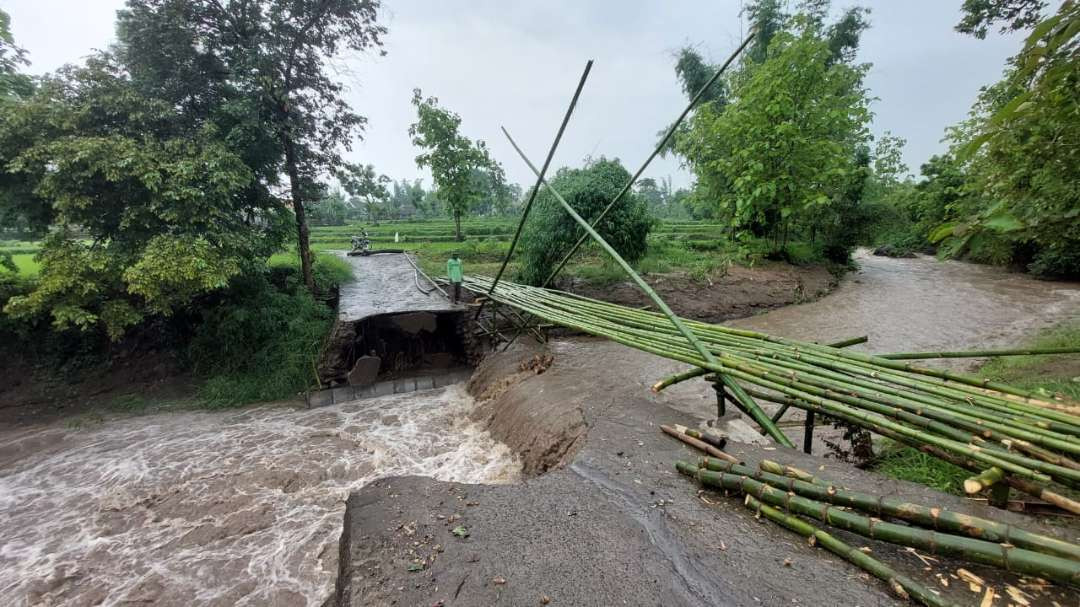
x,y
201,508
925,304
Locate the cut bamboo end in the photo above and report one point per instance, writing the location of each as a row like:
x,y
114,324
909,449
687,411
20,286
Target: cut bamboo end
x,y
983,480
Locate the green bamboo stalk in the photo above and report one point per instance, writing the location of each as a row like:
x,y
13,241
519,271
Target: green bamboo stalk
x,y
659,147
692,373
902,585
935,518
979,353
1031,488
766,423
792,472
940,409
1005,556
752,409
543,171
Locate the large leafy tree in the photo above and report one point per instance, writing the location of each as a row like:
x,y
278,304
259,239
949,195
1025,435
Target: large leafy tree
x,y
276,54
457,164
551,232
145,211
367,189
1019,154
783,149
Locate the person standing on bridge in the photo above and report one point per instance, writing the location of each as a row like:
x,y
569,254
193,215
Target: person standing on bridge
x,y
456,274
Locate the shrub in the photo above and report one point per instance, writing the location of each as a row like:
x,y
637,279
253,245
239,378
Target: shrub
x,y
551,232
258,342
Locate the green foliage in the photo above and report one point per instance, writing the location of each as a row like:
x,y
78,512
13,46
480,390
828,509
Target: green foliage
x,y
258,343
1017,155
264,64
145,214
550,231
980,15
12,57
456,163
781,154
367,189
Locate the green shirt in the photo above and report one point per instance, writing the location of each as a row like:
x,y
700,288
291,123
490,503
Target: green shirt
x,y
453,270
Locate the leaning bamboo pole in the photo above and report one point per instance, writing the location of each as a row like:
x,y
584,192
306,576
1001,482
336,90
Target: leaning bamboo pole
x,y
767,425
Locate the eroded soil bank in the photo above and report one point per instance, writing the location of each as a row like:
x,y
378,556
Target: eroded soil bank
x,y
608,521
739,291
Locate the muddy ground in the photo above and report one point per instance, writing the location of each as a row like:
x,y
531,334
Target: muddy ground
x,y
31,393
605,519
738,292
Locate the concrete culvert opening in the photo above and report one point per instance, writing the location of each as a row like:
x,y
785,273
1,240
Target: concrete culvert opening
x,y
399,352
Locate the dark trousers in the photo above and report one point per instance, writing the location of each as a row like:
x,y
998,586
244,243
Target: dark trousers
x,y
457,291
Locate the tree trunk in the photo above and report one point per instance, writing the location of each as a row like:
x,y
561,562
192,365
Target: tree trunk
x,y
302,233
457,226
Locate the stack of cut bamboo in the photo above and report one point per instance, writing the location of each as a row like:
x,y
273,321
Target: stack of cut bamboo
x,y
1001,433
783,494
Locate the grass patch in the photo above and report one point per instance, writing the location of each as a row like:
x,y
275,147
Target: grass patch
x,y
1051,374
27,265
908,464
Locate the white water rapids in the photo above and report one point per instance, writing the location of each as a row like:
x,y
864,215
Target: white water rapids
x,y
215,508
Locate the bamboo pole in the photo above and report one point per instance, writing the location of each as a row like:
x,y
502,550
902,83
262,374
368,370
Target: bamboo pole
x,y
939,519
663,143
767,425
903,586
979,353
536,188
1005,556
983,480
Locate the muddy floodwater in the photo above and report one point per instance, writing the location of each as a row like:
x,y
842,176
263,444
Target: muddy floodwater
x,y
925,304
215,508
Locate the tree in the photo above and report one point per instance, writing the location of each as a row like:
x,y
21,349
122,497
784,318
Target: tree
x,y
12,57
367,188
1018,152
550,231
784,147
145,212
331,210
452,157
980,15
277,53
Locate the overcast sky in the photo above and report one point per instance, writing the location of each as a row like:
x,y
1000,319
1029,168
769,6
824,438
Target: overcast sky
x,y
516,64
